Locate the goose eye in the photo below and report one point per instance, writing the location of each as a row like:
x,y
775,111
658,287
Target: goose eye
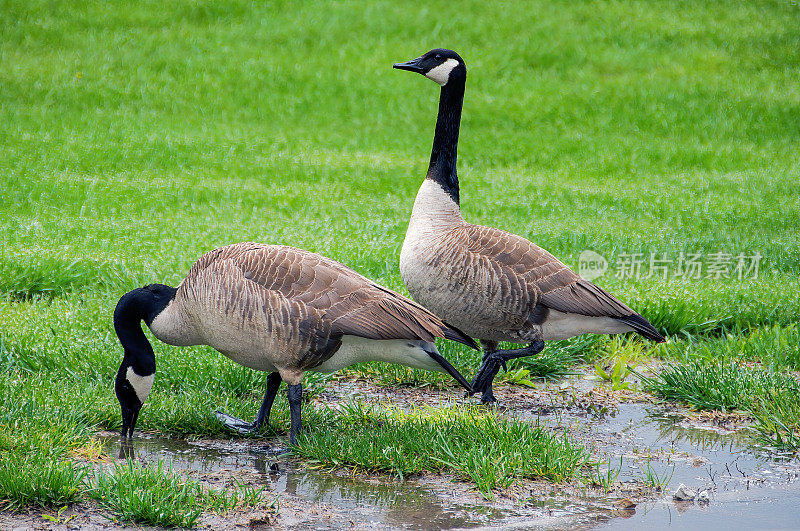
x,y
438,56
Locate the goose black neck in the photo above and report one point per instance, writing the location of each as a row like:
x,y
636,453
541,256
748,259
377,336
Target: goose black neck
x,y
142,304
442,168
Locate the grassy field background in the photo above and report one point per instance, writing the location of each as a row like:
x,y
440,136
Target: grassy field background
x,y
136,136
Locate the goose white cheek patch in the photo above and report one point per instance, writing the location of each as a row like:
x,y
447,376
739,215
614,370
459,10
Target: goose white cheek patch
x,y
141,384
441,73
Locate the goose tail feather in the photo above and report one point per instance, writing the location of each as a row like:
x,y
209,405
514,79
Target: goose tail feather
x,y
642,326
454,334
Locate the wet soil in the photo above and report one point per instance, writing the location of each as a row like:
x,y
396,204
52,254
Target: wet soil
x,y
642,440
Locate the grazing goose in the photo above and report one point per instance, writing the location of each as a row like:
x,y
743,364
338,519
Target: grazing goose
x,y
277,309
491,284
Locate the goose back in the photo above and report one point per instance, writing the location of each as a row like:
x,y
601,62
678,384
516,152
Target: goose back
x,y
274,307
499,286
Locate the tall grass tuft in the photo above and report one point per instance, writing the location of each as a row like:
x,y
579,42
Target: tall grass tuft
x,y
550,364
777,420
39,481
722,385
491,452
148,495
767,394
158,496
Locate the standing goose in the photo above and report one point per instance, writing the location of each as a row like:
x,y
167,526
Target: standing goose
x,y
277,309
491,284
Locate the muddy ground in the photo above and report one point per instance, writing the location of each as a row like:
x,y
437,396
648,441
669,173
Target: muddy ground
x,y
746,487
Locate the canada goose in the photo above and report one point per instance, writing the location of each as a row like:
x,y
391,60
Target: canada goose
x,y
277,309
491,284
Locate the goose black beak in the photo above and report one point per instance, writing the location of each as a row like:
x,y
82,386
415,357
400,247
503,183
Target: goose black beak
x,y
411,66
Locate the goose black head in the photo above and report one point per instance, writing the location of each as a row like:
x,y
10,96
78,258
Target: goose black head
x,y
138,369
440,64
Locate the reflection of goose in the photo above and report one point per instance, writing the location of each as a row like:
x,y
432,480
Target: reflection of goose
x,y
341,491
277,309
671,429
493,285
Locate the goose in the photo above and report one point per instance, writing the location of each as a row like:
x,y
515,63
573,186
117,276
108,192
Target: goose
x,y
277,309
491,284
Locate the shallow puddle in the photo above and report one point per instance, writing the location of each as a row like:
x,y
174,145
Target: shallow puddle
x,y
332,500
746,488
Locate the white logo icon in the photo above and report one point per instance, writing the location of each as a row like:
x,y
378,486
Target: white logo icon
x,y
591,265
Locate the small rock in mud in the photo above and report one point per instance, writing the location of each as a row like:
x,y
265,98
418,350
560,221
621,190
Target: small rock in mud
x,y
702,497
684,493
624,513
264,521
625,503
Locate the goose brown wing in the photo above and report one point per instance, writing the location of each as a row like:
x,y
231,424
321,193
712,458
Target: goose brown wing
x,y
507,272
576,295
349,303
582,297
531,275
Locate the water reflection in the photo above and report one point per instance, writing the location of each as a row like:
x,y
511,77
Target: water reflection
x,y
673,429
700,457
126,449
389,502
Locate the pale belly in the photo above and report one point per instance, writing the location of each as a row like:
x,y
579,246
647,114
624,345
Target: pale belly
x,y
250,359
410,353
249,342
353,350
560,325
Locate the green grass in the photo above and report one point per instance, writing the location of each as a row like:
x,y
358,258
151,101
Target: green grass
x,y
39,481
135,138
777,415
550,364
720,385
769,395
708,374
149,496
653,479
490,451
128,491
774,346
559,357
160,497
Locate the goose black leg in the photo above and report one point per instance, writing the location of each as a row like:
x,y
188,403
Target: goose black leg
x,y
487,395
295,394
273,383
492,361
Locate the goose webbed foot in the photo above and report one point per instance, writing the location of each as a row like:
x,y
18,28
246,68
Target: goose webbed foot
x,y
246,428
236,424
488,399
